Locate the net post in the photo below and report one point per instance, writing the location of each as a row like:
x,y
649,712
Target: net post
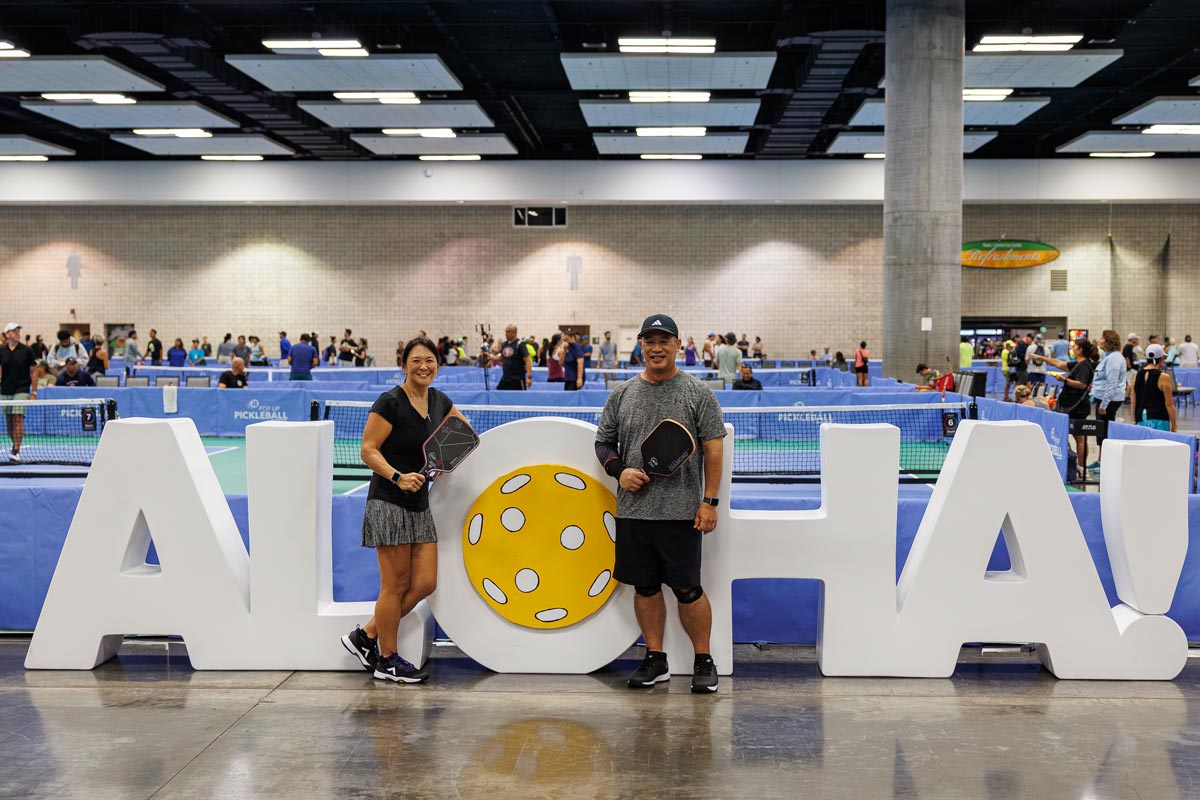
x,y
110,410
973,410
314,411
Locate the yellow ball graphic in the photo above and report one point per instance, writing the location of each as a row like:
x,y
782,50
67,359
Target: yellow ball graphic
x,y
538,545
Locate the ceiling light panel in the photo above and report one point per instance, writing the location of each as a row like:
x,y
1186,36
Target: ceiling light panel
x,y
1034,70
435,114
312,44
71,74
1163,110
21,145
1004,112
859,143
619,71
380,73
1132,141
714,114
214,146
488,144
632,144
141,115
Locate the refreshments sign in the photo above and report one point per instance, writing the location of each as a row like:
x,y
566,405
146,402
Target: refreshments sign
x,y
1006,254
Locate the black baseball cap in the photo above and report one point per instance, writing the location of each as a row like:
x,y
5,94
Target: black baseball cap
x,y
70,360
659,323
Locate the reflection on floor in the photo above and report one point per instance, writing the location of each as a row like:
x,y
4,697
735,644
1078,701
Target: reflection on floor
x,y
147,725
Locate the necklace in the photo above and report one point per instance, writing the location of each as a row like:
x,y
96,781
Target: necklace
x,y
421,406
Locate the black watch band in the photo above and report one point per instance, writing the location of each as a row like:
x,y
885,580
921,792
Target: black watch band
x,y
395,477
712,501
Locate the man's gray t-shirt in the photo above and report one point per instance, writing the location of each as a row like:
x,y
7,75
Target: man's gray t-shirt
x,y
633,410
608,354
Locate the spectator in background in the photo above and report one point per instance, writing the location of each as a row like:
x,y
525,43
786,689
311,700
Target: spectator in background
x,y
635,356
608,352
88,343
66,348
1073,399
756,351
689,353
400,353
1060,348
574,372
966,353
1153,403
241,350
303,358
1131,354
98,362
345,356
929,378
1017,363
362,354
728,358
236,377
1024,395
554,359
37,346
862,363
206,347
133,354
839,361
1189,353
746,380
588,351
812,358
43,375
331,352
285,346
258,356
225,349
1010,375
72,375
17,368
743,345
154,349
826,356
177,356
1108,387
709,352
1172,359
195,356
1036,356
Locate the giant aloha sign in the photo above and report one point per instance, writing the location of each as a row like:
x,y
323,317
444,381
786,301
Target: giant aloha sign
x,y
1006,254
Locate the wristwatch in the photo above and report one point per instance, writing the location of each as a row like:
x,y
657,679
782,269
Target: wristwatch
x,y
395,477
712,501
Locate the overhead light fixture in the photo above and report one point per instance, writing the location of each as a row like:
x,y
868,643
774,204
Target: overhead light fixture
x,y
312,44
985,95
23,158
669,97
671,156
1026,44
873,155
1121,155
1174,129
387,98
180,133
677,131
350,52
10,50
101,98
449,158
426,133
231,158
666,45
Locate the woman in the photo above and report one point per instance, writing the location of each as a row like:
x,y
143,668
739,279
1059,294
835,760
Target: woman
x,y
1108,387
400,354
360,352
1153,393
1073,398
862,362
397,521
554,359
689,353
1024,396
257,357
196,356
177,356
98,362
543,353
757,350
839,361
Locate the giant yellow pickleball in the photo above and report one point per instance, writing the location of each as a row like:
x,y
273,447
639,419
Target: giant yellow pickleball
x,y
538,545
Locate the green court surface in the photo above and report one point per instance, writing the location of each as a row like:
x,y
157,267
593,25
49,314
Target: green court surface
x,y
228,458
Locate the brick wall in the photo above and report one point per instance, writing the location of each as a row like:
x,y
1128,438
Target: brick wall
x,y
799,276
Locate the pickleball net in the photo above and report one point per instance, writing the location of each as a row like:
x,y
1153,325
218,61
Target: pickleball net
x,y
781,443
56,432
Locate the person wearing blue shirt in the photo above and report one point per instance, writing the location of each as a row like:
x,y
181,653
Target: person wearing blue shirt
x,y
195,356
1108,387
1060,347
302,357
587,352
285,346
72,375
176,356
635,357
573,368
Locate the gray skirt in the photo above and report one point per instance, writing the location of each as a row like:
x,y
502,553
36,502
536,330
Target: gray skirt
x,y
385,524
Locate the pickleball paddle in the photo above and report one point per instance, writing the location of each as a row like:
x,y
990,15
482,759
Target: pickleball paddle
x,y
667,448
448,445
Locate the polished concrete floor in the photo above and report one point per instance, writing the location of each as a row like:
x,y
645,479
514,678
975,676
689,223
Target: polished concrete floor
x,y
146,725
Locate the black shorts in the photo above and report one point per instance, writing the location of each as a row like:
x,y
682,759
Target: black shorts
x,y
1037,377
861,370
508,383
569,386
1110,414
653,552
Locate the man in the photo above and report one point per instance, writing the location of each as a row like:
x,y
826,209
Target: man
x,y
1130,351
88,343
746,380
236,377
934,381
1189,353
1036,356
206,347
72,375
331,351
573,368
826,356
1010,375
1060,348
516,365
17,382
302,357
346,348
195,356
608,352
743,344
1016,360
661,523
154,349
241,350
588,351
285,346
133,353
66,348
966,353
727,359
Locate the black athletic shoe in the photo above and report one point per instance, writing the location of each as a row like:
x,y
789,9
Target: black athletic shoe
x,y
704,675
653,670
395,668
361,647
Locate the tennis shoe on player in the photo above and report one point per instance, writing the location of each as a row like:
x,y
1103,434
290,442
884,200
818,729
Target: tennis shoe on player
x,y
362,647
653,670
704,675
395,668
15,456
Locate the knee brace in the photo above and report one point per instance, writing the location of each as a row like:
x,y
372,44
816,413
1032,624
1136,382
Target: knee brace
x,y
688,596
648,591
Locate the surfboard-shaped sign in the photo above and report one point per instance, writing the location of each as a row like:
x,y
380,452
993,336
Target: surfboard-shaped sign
x,y
1006,254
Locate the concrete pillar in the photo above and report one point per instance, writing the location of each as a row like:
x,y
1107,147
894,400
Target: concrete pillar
x,y
922,199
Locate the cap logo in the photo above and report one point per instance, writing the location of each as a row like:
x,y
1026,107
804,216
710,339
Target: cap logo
x,y
657,322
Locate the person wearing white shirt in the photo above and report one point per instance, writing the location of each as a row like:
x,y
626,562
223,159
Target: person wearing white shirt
x,y
1189,353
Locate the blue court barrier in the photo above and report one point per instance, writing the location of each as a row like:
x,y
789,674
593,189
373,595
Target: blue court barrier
x,y
35,520
1056,426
